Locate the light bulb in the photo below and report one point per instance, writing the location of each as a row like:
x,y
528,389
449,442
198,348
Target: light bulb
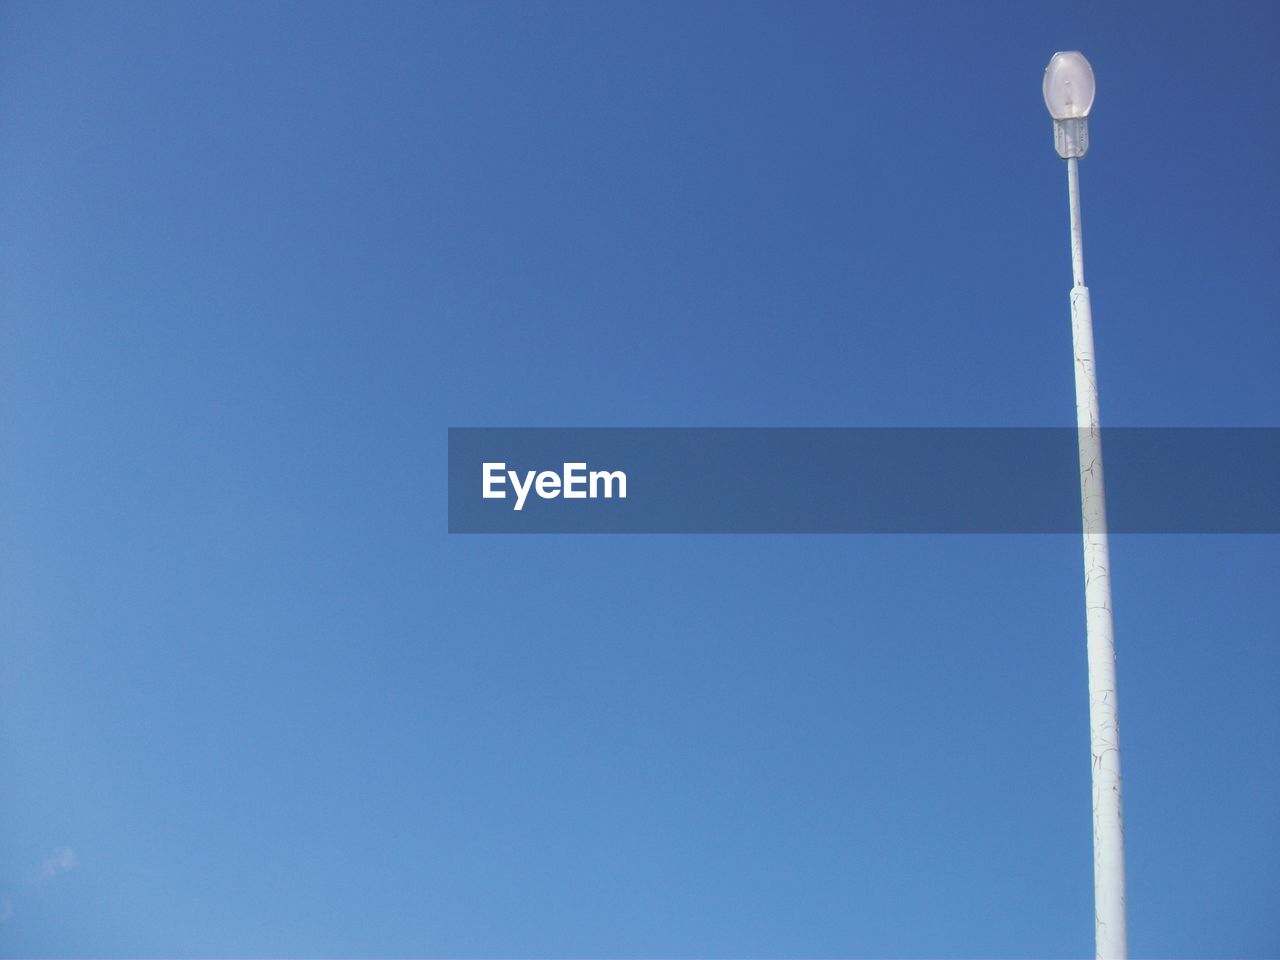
x,y
1068,86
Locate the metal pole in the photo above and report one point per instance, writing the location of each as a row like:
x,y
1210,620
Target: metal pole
x,y
1110,924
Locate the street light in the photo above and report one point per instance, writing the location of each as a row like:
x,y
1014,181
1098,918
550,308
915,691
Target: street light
x,y
1068,93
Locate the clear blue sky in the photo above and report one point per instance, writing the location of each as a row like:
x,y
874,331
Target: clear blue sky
x,y
256,259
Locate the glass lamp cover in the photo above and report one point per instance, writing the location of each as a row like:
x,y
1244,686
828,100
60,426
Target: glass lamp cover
x,y
1068,86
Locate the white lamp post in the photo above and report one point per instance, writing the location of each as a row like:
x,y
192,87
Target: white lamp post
x,y
1068,93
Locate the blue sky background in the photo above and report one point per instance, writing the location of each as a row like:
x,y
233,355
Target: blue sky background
x,y
255,259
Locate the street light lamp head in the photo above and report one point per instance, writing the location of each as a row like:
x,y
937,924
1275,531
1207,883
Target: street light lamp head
x,y
1068,86
1068,93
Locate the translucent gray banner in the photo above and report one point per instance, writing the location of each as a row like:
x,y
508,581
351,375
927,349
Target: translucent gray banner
x,y
856,480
